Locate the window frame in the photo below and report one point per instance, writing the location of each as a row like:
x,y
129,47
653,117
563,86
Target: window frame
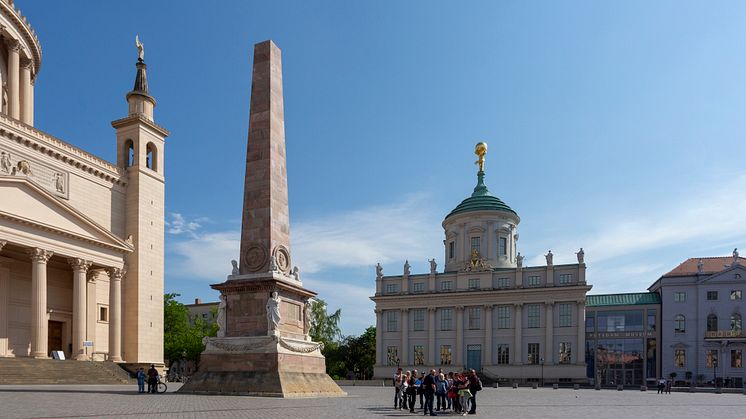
x,y
475,318
533,357
565,353
533,281
679,296
418,320
392,318
736,295
533,316
679,324
565,318
446,354
679,354
504,313
446,320
711,294
503,354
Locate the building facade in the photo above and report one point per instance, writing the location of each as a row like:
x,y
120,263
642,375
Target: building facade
x,y
623,338
702,327
81,239
485,310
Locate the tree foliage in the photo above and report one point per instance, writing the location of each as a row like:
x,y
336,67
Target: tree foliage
x,y
182,338
324,326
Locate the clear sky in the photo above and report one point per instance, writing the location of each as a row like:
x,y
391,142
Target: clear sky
x,y
615,126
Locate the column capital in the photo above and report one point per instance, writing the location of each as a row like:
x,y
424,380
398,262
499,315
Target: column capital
x,y
518,305
116,274
378,311
39,255
581,301
431,309
26,63
404,310
459,308
79,264
549,303
3,243
13,45
488,306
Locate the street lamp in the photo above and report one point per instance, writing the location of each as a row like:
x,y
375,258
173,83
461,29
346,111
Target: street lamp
x,y
541,361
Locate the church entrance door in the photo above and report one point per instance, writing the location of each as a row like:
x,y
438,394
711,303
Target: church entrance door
x,y
55,336
474,357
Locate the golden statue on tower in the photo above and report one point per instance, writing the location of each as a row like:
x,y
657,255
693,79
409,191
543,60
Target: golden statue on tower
x,y
480,150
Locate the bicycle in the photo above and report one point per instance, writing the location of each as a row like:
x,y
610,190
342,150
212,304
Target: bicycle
x,y
161,386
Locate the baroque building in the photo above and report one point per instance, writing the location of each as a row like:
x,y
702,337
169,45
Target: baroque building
x,y
486,310
81,239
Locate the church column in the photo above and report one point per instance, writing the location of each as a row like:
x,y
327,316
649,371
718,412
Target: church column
x,y
487,335
26,89
459,355
4,295
379,334
115,314
80,268
517,322
39,320
14,66
404,358
549,333
431,336
91,308
580,357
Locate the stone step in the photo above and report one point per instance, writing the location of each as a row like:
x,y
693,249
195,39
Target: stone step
x,y
45,371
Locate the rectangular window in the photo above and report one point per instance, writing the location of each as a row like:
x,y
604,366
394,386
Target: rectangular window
x,y
418,320
534,317
679,358
503,317
736,358
679,297
392,288
446,355
446,319
565,353
418,287
735,294
534,281
451,249
392,321
475,243
651,320
103,314
565,278
503,354
419,355
503,282
565,315
711,358
392,355
590,322
446,286
712,295
502,246
474,284
533,353
475,317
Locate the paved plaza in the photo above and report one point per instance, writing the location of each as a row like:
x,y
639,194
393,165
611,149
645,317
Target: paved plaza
x,y
122,402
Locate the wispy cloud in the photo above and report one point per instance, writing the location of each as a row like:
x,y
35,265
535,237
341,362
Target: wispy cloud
x,y
178,224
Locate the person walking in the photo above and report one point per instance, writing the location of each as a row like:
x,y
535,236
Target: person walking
x,y
397,388
404,390
428,387
152,379
661,385
475,385
412,390
140,374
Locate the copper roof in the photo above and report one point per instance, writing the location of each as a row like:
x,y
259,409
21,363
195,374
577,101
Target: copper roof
x,y
711,265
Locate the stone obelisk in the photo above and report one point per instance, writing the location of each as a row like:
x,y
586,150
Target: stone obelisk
x,y
263,347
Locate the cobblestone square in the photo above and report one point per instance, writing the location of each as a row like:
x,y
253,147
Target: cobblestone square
x,y
50,401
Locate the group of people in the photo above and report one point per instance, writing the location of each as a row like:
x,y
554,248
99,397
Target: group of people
x,y
664,386
152,377
437,392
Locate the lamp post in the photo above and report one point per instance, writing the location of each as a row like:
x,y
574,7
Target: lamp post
x,y
541,361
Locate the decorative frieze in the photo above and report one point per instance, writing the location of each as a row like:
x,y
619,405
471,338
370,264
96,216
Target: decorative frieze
x,y
51,179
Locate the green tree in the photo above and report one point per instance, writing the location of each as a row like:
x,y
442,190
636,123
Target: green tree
x,y
180,336
324,327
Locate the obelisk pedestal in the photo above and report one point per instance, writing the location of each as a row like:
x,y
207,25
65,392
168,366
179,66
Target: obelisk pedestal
x,y
264,348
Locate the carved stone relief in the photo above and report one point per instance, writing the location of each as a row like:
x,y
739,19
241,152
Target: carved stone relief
x,y
17,164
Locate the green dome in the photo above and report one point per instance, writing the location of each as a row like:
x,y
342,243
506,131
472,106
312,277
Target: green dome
x,y
481,200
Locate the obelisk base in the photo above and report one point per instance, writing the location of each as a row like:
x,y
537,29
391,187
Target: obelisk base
x,y
267,366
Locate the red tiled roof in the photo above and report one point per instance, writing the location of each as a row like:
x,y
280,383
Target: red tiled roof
x,y
711,265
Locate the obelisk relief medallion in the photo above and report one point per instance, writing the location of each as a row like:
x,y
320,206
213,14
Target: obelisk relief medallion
x,y
254,258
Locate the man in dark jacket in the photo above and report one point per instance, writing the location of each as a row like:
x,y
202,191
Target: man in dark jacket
x,y
152,379
428,385
474,387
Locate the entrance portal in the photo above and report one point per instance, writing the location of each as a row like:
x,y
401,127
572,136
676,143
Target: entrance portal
x,y
54,340
474,357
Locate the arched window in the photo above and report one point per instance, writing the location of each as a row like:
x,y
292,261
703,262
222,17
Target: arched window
x,y
735,322
129,153
151,157
679,323
712,323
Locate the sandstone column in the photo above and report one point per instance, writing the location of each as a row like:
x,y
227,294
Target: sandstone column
x,y
549,334
265,230
4,296
115,314
517,321
431,336
459,349
404,358
91,308
379,335
39,320
14,66
487,353
80,268
26,87
580,352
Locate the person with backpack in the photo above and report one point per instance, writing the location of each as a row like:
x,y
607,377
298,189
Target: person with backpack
x,y
475,385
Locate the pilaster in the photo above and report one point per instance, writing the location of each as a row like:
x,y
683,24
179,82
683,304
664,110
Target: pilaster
x,y
404,358
487,353
14,67
26,90
518,333
549,333
580,352
459,349
379,337
431,336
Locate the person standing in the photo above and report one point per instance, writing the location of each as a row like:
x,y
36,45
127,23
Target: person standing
x,y
661,385
152,379
475,385
140,380
441,388
397,388
412,390
428,387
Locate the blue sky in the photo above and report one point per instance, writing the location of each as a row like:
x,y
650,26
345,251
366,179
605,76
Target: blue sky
x,y
615,126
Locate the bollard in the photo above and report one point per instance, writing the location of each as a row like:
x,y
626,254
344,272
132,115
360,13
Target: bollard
x,y
534,385
515,385
555,386
619,387
576,386
643,388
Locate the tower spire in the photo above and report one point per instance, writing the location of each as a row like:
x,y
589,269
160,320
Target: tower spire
x,y
139,99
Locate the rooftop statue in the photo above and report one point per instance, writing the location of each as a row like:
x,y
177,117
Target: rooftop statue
x,y
140,48
480,150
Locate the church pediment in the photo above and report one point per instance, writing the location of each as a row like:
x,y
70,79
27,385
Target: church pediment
x,y
734,273
26,202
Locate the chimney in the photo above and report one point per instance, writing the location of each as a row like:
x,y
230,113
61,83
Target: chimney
x,y
197,301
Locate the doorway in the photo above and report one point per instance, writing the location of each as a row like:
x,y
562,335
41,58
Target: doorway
x,y
54,340
474,357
